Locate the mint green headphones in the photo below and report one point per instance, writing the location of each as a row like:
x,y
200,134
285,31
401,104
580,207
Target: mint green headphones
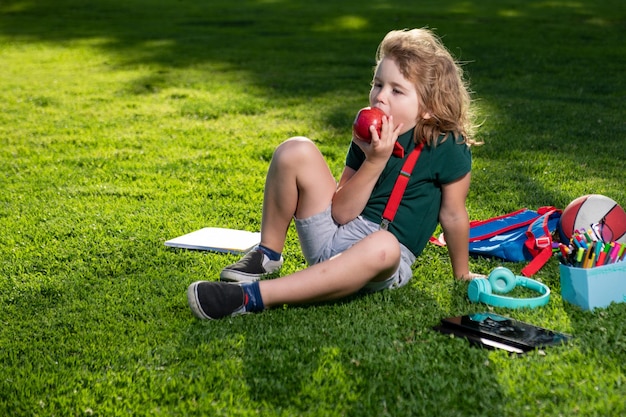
x,y
502,280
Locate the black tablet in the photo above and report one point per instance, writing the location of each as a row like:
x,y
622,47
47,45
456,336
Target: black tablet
x,y
494,331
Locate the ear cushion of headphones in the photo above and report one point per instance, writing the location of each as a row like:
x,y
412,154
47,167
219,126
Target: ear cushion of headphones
x,y
479,290
502,280
478,286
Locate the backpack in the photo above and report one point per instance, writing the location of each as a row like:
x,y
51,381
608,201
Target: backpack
x,y
523,235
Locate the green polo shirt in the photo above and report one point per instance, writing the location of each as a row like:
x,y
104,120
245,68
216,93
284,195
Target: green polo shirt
x,y
418,213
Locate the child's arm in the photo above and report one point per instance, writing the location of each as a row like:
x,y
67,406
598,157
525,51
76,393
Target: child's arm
x,y
455,223
355,187
353,191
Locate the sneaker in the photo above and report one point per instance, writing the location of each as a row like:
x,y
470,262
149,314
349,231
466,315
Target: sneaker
x,y
215,300
254,265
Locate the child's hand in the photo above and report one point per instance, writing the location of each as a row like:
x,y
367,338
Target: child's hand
x,y
380,147
470,276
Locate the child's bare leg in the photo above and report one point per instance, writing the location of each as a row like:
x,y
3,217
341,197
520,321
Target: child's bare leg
x,y
375,258
298,183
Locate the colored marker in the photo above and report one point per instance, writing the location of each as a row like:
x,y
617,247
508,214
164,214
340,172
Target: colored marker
x,y
602,257
592,260
579,256
597,251
613,254
564,253
621,251
588,253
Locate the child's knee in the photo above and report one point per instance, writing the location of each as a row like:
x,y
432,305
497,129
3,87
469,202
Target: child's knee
x,y
294,145
384,250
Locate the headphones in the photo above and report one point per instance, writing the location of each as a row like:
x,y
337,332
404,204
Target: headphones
x,y
502,280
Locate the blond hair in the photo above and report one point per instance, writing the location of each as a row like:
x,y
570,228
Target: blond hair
x,y
442,91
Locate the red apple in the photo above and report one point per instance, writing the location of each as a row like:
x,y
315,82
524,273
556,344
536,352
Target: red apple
x,y
366,117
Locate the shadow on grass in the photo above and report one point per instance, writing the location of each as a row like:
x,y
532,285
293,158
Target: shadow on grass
x,y
533,65
380,357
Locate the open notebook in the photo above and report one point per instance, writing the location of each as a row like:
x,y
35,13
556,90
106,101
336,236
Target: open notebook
x,y
217,239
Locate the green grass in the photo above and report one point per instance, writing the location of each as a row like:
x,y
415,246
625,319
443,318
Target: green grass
x,y
126,123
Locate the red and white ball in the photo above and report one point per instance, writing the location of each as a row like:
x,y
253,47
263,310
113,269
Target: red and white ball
x,y
590,209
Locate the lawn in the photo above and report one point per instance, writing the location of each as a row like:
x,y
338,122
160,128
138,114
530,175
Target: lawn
x,y
127,123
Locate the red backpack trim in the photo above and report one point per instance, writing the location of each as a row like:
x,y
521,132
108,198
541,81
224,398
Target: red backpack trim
x,y
540,248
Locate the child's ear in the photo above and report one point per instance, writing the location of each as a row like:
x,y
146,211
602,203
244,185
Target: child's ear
x,y
426,115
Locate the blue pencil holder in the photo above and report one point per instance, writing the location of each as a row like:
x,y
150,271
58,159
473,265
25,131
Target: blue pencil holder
x,y
596,287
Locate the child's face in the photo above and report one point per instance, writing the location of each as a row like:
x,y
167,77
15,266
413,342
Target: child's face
x,y
394,94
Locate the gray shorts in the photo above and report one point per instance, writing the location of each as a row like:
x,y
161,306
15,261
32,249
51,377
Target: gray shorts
x,y
321,239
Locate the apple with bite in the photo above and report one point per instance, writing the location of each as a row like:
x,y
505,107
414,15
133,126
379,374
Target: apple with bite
x,y
366,117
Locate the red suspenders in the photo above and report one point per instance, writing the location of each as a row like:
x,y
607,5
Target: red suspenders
x,y
398,188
